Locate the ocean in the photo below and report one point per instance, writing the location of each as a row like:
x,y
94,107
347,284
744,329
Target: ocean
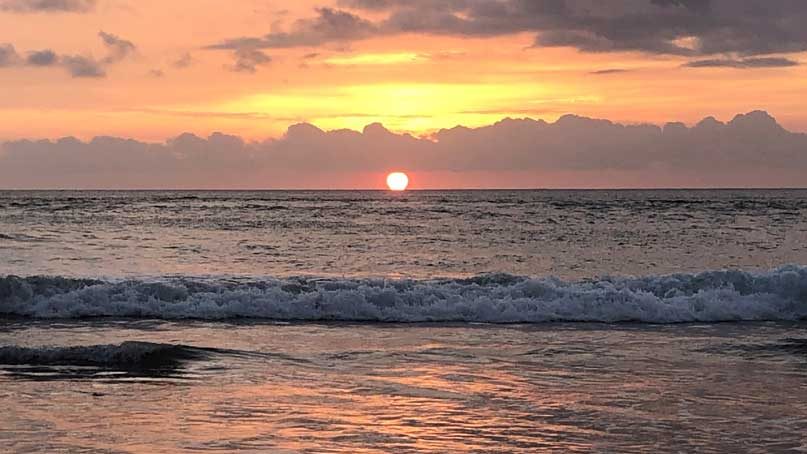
x,y
423,321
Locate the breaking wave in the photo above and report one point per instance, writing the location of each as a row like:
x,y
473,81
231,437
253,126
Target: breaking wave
x,y
128,355
713,296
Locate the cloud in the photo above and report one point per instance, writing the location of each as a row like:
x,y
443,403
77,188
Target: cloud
x,y
769,62
750,150
735,29
78,66
117,48
370,5
694,5
8,55
248,60
184,61
50,6
605,72
377,59
45,57
329,25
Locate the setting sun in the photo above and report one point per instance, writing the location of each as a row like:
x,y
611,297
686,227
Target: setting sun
x,y
397,181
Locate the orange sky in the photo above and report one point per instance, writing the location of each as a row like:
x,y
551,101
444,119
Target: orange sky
x,y
410,82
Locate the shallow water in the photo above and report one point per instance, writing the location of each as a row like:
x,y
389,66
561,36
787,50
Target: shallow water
x,y
410,388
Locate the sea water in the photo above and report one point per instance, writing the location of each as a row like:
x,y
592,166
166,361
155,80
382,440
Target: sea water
x,y
427,321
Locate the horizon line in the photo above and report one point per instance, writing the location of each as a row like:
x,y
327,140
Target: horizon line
x,y
479,189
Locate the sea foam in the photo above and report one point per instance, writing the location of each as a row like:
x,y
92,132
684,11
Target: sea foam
x,y
713,296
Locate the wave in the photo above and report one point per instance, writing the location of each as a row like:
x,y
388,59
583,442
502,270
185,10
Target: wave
x,y
21,238
128,355
713,296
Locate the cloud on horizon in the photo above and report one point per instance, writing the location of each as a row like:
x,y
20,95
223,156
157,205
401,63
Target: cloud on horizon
x,y
750,150
731,29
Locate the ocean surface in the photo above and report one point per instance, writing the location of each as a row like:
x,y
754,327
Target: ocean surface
x,y
424,321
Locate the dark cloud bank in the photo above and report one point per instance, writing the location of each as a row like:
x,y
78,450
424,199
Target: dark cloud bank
x,y
750,150
728,33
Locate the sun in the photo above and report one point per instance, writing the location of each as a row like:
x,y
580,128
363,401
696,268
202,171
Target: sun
x,y
397,181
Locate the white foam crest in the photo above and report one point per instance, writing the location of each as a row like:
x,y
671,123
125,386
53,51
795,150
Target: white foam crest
x,y
714,296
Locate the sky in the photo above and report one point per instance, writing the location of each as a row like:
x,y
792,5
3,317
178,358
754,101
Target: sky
x,y
258,93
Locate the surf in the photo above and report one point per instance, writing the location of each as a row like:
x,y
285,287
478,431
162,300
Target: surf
x,y
711,296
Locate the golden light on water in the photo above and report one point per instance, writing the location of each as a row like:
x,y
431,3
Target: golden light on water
x,y
397,181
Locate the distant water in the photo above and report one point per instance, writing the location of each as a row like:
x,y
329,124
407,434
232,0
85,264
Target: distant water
x,y
433,321
566,234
